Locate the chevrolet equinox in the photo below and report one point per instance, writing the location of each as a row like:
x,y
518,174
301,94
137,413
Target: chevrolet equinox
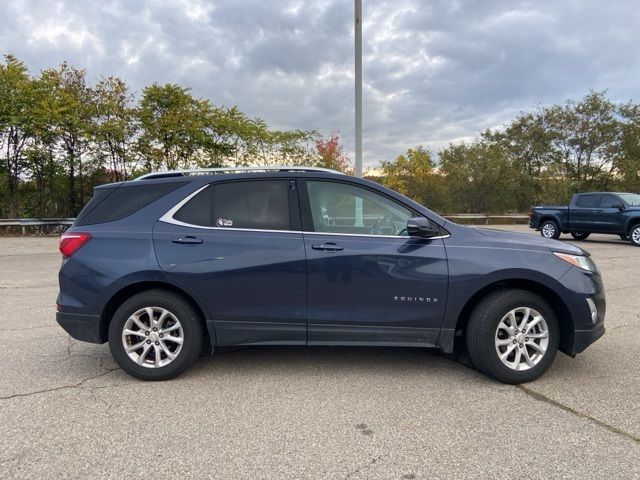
x,y
172,264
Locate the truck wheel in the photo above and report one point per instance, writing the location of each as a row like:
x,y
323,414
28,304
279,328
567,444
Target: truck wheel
x,y
634,235
550,229
580,235
513,336
155,335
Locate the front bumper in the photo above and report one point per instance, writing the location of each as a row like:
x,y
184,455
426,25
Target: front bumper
x,y
81,327
584,338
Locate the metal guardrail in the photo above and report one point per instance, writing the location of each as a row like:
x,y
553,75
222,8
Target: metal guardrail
x,y
486,217
23,223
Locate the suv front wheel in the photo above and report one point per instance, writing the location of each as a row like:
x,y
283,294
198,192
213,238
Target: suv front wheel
x,y
634,235
155,335
513,336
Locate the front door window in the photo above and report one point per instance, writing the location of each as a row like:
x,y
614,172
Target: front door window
x,y
348,209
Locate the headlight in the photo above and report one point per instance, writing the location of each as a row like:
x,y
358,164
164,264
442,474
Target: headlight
x,y
579,261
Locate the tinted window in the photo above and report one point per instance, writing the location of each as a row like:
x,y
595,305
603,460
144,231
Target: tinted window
x,y
197,211
99,194
124,201
342,208
586,201
252,204
609,201
631,198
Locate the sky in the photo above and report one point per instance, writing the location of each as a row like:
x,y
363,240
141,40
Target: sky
x,y
434,71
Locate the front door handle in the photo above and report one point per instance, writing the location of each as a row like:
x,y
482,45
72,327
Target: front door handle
x,y
327,247
187,240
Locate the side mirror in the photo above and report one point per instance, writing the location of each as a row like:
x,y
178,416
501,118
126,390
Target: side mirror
x,y
423,228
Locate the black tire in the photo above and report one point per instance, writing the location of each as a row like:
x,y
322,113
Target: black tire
x,y
580,235
634,235
624,236
191,332
550,229
482,330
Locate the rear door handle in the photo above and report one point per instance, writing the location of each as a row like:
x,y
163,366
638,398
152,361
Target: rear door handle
x,y
327,247
187,240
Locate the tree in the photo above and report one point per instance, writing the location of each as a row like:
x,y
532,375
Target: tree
x,y
174,127
114,128
331,154
16,126
414,174
479,177
73,109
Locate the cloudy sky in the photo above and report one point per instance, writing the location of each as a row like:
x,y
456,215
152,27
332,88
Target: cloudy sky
x,y
434,71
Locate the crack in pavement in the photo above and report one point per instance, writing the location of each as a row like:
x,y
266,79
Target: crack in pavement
x,y
366,466
23,287
31,328
30,254
543,398
616,289
627,325
63,387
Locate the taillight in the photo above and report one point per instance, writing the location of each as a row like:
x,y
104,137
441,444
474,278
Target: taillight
x,y
72,241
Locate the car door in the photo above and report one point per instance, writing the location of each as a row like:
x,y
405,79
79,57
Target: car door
x,y
585,213
611,215
238,245
369,283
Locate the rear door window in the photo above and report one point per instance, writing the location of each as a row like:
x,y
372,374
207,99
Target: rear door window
x,y
587,201
260,204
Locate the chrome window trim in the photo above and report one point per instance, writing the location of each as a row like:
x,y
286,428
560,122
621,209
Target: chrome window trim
x,y
168,218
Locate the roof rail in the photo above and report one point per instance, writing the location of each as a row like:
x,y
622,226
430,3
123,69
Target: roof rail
x,y
223,170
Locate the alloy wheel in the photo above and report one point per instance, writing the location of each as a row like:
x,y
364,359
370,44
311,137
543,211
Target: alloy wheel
x,y
152,337
522,338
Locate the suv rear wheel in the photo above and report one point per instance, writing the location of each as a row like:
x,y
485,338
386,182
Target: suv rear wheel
x,y
513,336
550,229
155,335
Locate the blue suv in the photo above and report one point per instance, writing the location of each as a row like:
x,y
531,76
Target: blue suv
x,y
173,264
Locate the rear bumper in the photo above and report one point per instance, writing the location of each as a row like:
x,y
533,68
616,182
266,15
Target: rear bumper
x,y
584,338
81,327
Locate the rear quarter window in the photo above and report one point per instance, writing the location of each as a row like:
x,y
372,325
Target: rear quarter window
x,y
197,211
122,202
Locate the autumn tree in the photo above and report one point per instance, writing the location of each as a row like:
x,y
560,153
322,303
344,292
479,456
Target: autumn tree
x,y
331,154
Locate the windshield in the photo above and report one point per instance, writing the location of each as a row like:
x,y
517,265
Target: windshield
x,y
630,199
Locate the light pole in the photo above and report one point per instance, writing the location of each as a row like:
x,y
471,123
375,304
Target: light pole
x,y
358,75
357,17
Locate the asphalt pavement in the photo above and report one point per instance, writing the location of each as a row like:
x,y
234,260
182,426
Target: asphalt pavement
x,y
66,410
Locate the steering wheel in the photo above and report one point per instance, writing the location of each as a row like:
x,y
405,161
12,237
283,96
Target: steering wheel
x,y
386,220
